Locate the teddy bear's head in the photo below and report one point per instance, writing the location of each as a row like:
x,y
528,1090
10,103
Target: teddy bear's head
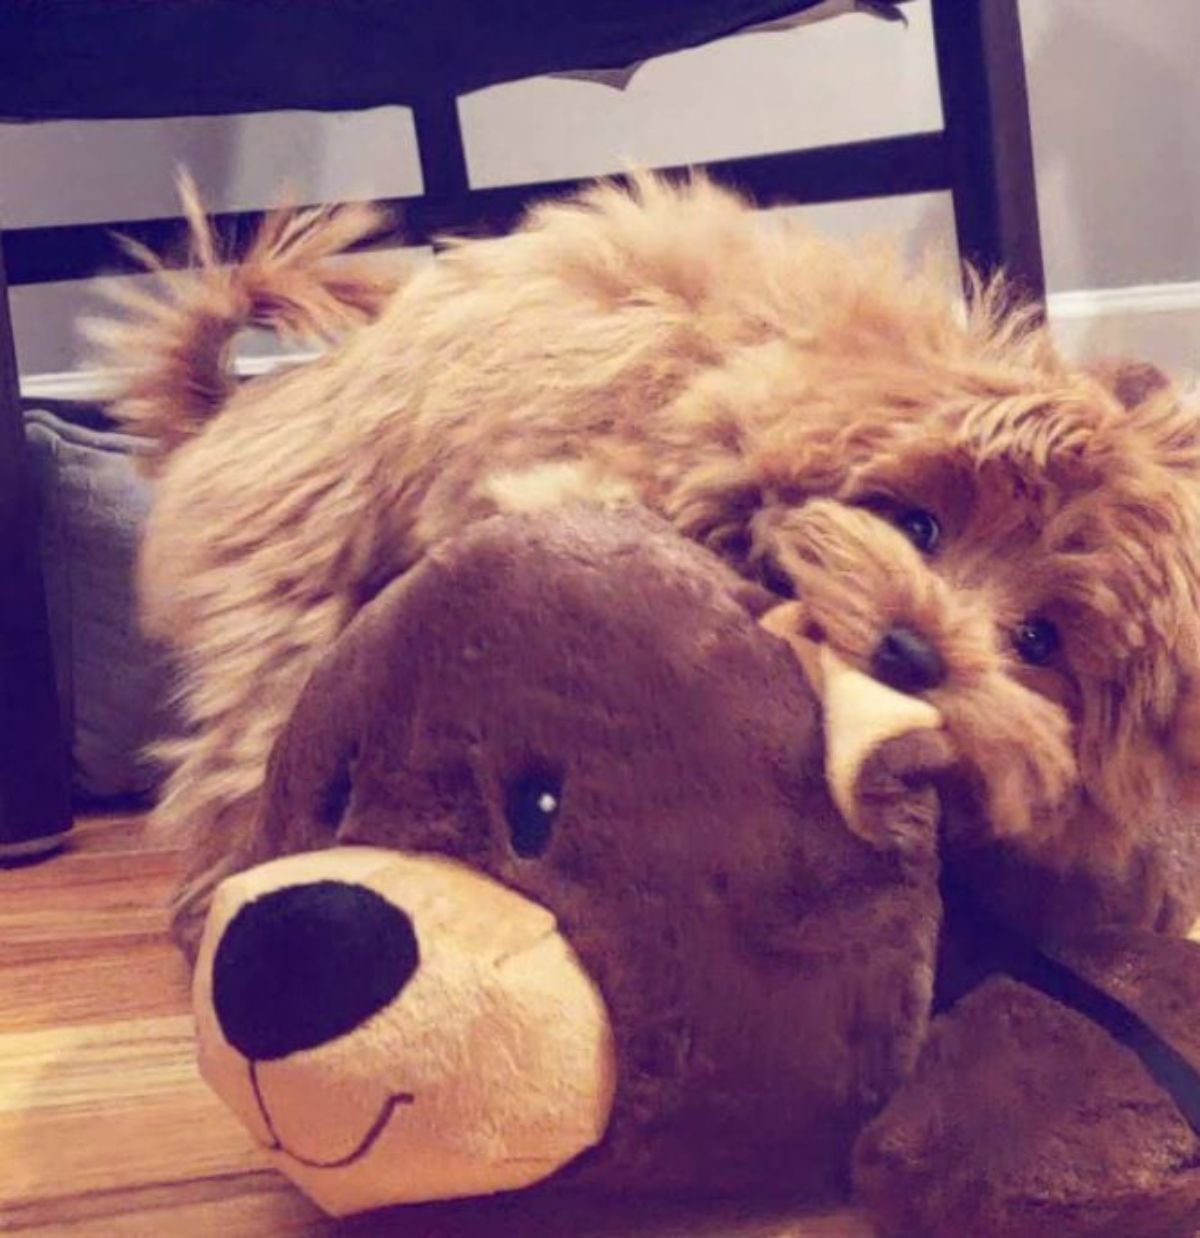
x,y
551,879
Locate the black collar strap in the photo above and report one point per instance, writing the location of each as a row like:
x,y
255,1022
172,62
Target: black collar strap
x,y
1011,954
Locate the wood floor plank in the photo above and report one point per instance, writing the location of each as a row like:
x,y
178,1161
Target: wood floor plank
x,y
125,981
80,902
176,1136
250,1205
92,874
114,833
95,1065
45,936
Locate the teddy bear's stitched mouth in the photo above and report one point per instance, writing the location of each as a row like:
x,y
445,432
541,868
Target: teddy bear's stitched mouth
x,y
364,1145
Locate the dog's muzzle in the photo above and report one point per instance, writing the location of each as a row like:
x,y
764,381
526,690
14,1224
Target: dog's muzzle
x,y
396,1028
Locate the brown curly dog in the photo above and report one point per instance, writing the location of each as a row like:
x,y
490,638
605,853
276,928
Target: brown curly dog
x,y
950,504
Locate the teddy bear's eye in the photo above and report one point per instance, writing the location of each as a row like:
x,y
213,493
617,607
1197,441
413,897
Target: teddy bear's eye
x,y
531,806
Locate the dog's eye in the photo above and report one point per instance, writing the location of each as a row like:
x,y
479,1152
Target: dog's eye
x,y
921,528
531,806
1036,641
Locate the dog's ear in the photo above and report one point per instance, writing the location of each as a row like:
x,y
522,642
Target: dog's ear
x,y
1132,382
1158,411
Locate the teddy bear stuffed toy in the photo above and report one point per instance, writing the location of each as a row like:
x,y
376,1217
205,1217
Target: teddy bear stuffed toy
x,y
577,865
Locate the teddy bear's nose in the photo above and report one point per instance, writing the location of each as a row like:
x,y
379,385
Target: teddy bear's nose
x,y
906,661
305,964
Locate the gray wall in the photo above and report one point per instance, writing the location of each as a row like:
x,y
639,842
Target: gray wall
x,y
1114,95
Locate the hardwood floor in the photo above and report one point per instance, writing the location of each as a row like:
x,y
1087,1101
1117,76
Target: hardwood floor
x,y
106,1130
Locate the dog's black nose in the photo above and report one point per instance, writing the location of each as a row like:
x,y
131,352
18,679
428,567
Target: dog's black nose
x,y
306,964
905,660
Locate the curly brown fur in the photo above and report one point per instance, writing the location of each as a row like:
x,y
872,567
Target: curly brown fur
x,y
778,397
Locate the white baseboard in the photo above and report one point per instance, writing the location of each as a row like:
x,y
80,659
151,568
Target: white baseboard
x,y
81,386
1150,322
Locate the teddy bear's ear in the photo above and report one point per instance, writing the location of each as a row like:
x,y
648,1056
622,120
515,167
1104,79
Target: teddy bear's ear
x,y
310,773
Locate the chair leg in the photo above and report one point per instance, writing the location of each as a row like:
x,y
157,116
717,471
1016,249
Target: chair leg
x,y
441,151
35,794
981,70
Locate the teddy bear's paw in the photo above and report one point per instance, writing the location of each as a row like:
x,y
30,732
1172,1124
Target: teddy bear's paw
x,y
1026,1119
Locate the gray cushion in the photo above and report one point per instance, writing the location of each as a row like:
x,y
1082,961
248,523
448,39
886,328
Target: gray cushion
x,y
114,685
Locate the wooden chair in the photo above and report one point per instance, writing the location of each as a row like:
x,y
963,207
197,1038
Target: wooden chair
x,y
125,58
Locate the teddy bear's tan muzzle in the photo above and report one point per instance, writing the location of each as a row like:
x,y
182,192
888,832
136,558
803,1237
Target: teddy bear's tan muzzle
x,y
395,1028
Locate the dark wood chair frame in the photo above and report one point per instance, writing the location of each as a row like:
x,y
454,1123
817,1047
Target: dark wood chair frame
x,y
982,155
